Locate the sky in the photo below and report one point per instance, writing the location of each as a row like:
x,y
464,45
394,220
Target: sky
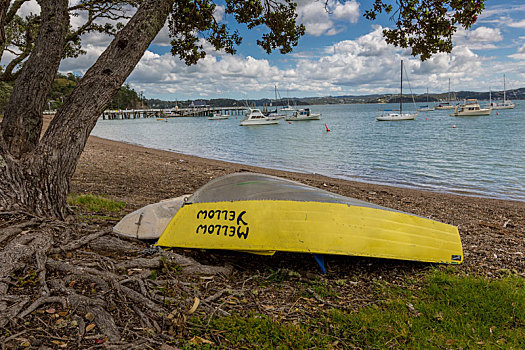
x,y
342,53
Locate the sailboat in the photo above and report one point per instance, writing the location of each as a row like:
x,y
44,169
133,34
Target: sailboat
x,y
505,104
446,105
426,108
394,116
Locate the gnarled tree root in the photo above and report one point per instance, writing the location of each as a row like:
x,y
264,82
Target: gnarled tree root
x,y
109,299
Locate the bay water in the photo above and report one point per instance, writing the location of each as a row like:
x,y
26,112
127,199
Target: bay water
x,y
482,156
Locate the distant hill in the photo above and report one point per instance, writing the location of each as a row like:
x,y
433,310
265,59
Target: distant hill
x,y
515,94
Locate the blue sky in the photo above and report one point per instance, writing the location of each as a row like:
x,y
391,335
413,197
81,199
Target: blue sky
x,y
341,54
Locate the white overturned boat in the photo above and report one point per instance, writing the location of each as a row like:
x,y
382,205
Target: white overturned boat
x,y
470,108
256,117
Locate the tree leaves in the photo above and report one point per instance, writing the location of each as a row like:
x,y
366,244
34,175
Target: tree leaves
x,y
193,20
427,26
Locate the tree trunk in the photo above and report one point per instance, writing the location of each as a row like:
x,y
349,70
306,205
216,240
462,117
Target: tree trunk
x,y
39,180
22,122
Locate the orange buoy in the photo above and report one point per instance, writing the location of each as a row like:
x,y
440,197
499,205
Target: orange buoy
x,y
326,128
289,122
426,118
453,126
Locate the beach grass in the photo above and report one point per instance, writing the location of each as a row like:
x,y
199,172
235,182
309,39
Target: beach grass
x,y
95,203
442,310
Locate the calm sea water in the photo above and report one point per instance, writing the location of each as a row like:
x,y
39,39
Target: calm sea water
x,y
482,156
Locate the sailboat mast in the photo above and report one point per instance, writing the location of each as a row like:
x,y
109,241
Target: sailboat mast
x,y
504,89
401,95
449,90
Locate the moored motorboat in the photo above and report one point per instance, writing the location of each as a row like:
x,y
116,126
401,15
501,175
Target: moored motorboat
x,y
470,108
444,105
303,114
256,117
218,116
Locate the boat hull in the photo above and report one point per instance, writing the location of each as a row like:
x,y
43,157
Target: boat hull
x,y
509,106
310,117
282,215
477,113
396,117
259,122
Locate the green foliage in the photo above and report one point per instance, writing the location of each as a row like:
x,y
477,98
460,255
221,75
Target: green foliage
x,y
126,98
62,86
96,204
191,18
427,26
442,311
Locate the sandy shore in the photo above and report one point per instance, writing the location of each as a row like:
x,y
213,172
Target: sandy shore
x,y
492,231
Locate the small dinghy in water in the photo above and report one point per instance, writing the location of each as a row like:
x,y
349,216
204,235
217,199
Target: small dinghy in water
x,y
262,214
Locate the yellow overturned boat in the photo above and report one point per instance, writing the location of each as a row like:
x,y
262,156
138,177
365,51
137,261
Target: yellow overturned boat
x,y
262,214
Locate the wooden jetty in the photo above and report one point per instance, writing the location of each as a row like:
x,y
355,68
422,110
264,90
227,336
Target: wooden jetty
x,y
168,113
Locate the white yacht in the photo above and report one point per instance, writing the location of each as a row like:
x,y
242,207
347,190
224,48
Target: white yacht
x,y
505,104
470,108
255,117
389,116
303,114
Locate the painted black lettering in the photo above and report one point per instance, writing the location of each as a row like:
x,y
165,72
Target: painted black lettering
x,y
211,228
204,227
239,218
232,231
218,213
225,216
211,214
218,229
225,227
242,234
203,212
232,215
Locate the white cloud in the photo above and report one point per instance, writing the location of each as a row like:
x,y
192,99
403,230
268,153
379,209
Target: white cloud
x,y
30,7
519,24
218,13
319,20
520,54
479,38
364,65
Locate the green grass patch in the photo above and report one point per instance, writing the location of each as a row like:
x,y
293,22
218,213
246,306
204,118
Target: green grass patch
x,y
95,204
448,311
